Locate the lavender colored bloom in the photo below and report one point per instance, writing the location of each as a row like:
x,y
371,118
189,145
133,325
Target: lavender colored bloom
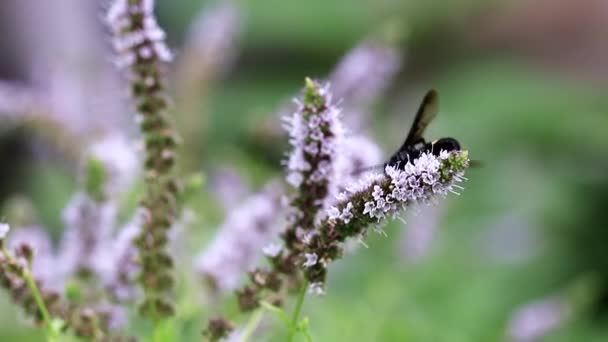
x,y
122,255
311,259
240,240
365,71
146,42
212,38
362,76
44,264
396,188
315,134
116,317
357,153
28,291
229,187
142,52
538,318
88,232
120,162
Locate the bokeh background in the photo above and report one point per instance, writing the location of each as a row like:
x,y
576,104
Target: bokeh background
x,y
522,84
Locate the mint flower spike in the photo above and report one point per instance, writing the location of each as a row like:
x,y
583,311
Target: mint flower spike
x,y
315,134
381,196
141,50
44,305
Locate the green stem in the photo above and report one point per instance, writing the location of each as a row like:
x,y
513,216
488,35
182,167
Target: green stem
x,y
296,312
31,283
38,297
253,323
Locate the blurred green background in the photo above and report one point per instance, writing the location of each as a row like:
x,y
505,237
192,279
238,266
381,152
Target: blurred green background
x,y
522,86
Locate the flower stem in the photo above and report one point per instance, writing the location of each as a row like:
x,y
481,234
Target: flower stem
x,y
31,283
253,323
296,312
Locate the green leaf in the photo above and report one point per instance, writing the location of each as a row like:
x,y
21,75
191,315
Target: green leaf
x,y
73,292
95,178
192,186
303,326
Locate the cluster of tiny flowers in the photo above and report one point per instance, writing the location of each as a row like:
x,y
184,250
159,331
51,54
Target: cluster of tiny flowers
x,y
90,253
44,266
314,131
139,43
17,278
377,197
120,162
145,41
315,134
88,231
122,256
90,258
241,238
419,180
91,216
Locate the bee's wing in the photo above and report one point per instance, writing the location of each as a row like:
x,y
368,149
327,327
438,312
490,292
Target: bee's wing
x,y
426,113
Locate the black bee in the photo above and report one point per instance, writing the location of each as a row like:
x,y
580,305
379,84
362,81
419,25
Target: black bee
x,y
415,145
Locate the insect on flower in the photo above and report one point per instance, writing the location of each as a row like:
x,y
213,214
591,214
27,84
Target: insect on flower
x,y
415,144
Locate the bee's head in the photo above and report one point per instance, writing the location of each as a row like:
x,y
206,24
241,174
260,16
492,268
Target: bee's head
x,y
445,144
